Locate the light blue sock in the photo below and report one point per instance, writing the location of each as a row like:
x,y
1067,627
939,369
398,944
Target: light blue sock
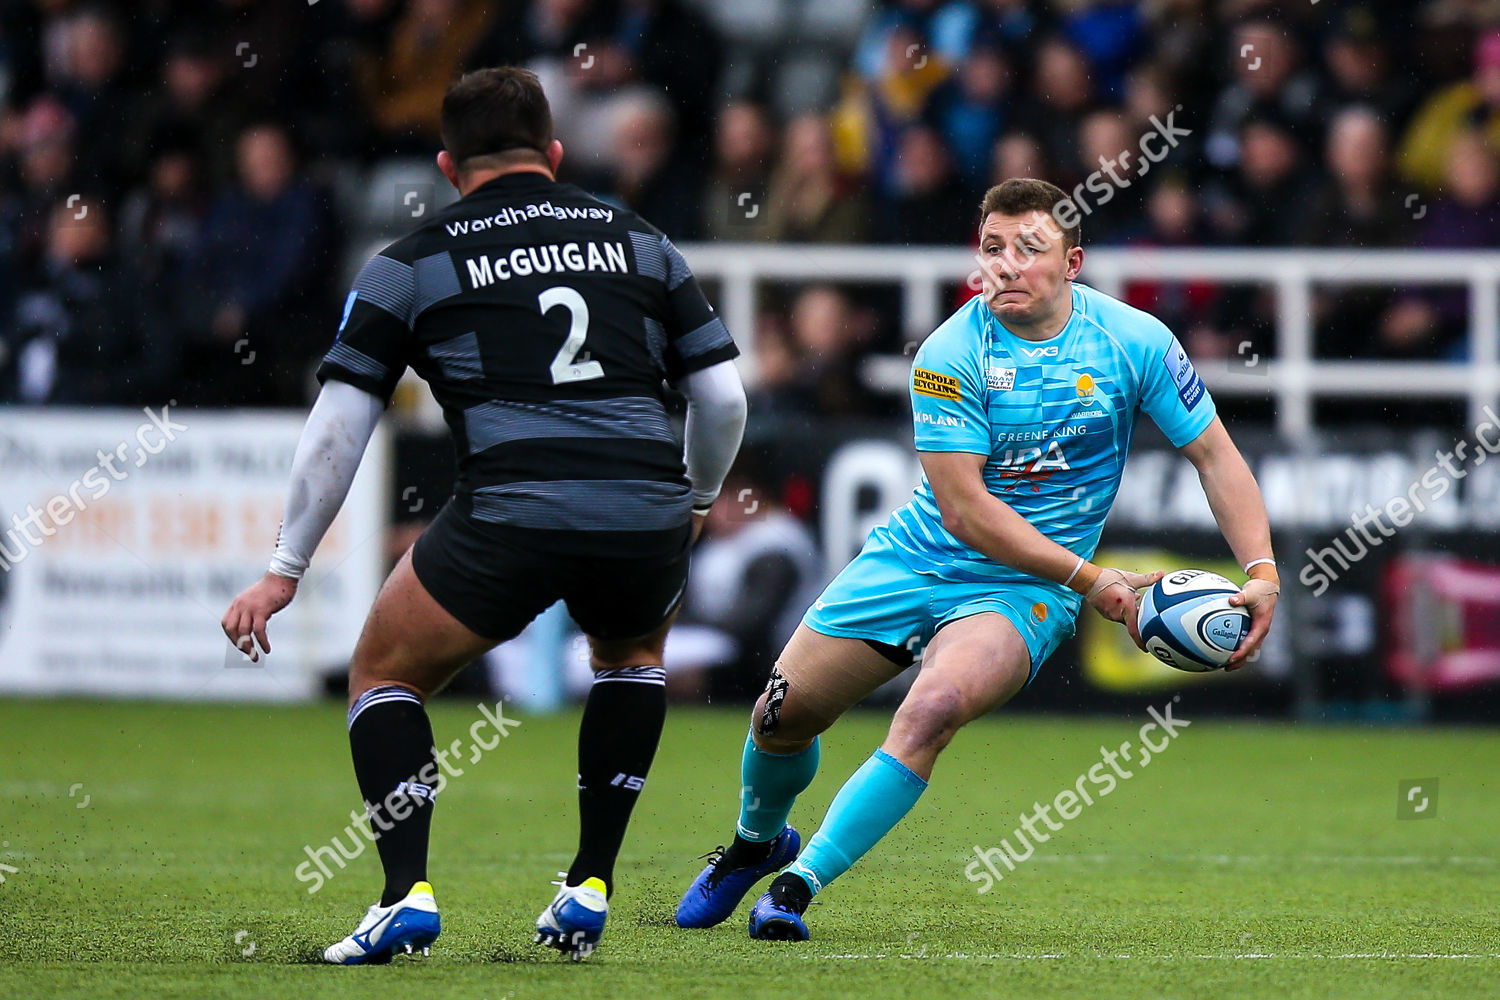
x,y
770,783
865,809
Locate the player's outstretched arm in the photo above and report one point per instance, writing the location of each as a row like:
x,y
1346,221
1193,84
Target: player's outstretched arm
x,y
984,522
716,410
1235,499
328,454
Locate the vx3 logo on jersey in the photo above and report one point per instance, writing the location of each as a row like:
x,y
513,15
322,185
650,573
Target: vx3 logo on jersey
x,y
1046,351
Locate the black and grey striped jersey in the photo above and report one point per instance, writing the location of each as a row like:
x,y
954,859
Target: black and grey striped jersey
x,y
545,322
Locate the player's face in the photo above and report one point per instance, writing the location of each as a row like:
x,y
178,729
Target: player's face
x,y
1025,267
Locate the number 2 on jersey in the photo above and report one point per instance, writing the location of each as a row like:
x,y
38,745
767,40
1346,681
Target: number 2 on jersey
x,y
565,366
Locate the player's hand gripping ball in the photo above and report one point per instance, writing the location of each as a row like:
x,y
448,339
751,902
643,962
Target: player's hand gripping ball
x,y
1187,622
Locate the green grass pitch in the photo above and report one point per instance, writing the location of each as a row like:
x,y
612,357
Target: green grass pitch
x,y
149,851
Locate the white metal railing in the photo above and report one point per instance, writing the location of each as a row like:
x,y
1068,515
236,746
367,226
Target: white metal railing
x,y
1293,380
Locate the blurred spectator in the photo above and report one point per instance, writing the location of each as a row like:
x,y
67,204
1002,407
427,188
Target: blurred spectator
x,y
1432,323
163,220
874,112
645,177
970,110
1255,206
1465,217
404,82
735,202
810,359
1148,93
1152,97
1174,218
1474,104
1107,147
775,392
1062,92
90,84
1357,54
1358,206
586,52
544,29
829,335
939,31
192,102
1014,25
1269,80
1019,154
276,71
42,139
1184,50
810,199
930,206
670,46
1110,34
84,331
264,278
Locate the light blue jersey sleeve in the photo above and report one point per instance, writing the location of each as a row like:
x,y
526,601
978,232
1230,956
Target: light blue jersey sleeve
x,y
1172,394
947,389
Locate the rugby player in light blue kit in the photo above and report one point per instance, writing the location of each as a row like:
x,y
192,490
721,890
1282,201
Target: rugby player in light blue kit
x,y
1023,403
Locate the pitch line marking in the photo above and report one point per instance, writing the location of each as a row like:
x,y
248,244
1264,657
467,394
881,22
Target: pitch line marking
x,y
1246,956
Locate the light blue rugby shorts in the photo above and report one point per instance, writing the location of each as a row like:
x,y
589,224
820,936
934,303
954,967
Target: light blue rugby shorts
x,y
880,598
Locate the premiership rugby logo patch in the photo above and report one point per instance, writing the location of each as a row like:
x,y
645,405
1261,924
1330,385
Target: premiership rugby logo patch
x,y
932,384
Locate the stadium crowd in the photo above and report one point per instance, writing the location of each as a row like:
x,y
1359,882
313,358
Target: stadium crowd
x,y
180,181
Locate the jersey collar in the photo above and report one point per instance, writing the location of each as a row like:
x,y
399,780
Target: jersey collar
x,y
524,180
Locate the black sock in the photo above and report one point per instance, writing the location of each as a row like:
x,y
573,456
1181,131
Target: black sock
x,y
617,740
391,739
744,853
791,892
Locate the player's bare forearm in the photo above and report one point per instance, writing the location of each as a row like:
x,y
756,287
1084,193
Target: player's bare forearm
x,y
1235,499
328,454
989,525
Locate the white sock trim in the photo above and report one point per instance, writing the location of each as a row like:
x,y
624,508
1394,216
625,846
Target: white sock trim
x,y
379,696
633,675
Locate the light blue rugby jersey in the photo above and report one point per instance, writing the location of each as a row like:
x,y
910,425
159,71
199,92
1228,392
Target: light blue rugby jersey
x,y
1054,417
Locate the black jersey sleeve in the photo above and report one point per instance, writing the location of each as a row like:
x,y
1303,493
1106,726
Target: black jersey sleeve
x,y
374,341
696,336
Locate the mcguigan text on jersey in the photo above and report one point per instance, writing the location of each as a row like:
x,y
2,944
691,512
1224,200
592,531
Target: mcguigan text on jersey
x,y
546,259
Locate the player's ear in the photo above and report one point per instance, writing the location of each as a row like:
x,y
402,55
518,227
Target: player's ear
x,y
1075,262
554,154
449,168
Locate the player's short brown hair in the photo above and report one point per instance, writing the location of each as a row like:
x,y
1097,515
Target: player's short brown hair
x,y
1020,195
496,110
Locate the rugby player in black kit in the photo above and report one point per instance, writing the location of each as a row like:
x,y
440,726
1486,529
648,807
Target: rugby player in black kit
x,y
545,322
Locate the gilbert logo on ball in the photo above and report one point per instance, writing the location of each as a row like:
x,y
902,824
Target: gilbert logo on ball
x,y
1187,622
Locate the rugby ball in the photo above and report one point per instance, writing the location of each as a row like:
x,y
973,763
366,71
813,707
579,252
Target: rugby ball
x,y
1187,622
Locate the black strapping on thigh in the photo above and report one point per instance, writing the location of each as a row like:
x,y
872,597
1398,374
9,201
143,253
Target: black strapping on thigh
x,y
901,656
